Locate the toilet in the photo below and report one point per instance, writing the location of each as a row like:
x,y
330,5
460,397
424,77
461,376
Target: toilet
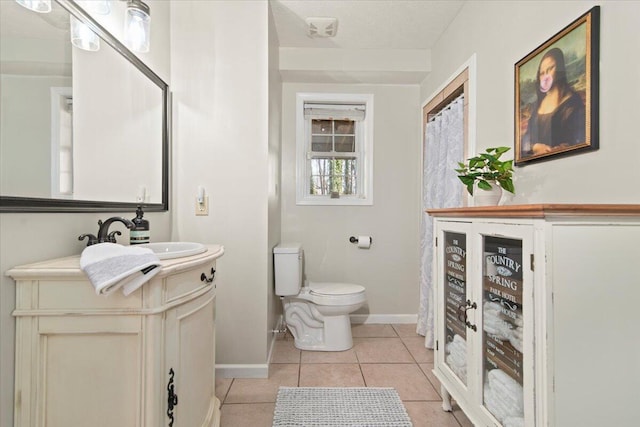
x,y
317,314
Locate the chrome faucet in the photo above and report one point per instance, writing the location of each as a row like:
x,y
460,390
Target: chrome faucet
x,y
103,231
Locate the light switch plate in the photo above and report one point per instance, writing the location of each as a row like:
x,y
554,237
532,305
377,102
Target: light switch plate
x,y
202,209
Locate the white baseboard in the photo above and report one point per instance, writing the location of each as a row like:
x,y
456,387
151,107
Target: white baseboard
x,y
250,370
384,318
262,370
242,371
279,325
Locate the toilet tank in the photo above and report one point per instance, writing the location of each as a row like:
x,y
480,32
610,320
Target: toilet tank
x,y
287,260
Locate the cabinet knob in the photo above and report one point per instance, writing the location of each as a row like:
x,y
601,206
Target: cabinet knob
x,y
206,279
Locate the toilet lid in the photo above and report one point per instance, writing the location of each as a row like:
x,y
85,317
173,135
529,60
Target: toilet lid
x,y
335,288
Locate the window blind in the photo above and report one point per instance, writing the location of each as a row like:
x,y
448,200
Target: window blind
x,y
355,112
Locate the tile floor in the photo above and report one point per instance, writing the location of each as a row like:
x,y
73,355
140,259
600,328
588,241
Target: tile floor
x,y
382,356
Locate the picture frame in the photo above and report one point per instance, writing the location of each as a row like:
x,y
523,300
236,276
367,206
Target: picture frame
x,y
556,94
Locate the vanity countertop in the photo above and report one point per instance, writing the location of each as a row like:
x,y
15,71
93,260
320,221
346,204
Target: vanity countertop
x,y
70,266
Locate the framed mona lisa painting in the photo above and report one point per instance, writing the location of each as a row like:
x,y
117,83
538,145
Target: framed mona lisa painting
x,y
556,94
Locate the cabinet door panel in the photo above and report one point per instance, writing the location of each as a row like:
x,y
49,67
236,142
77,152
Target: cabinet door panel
x,y
502,329
190,353
110,362
454,264
505,351
596,341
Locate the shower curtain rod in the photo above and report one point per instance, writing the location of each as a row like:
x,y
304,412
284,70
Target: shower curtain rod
x,y
446,107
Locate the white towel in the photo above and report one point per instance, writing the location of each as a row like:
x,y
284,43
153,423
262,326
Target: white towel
x,y
456,357
110,266
503,396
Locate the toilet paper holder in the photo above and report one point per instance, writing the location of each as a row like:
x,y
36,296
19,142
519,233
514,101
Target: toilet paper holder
x,y
354,239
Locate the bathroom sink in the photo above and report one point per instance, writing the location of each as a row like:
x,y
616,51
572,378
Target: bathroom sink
x,y
168,250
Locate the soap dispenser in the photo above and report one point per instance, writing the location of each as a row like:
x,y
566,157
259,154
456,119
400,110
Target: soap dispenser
x,y
140,232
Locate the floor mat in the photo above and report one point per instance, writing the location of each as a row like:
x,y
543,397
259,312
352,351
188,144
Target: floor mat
x,y
339,406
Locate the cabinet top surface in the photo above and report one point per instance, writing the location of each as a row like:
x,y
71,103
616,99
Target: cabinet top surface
x,y
540,211
70,266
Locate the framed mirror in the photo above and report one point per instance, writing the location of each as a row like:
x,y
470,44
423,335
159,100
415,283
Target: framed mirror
x,y
80,131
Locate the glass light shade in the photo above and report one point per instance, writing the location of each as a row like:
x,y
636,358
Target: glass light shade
x,y
100,7
83,37
137,22
40,6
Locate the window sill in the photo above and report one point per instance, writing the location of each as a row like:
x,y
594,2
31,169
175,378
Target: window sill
x,y
328,201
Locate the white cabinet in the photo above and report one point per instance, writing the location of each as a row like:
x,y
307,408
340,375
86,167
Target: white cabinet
x,y
87,360
535,313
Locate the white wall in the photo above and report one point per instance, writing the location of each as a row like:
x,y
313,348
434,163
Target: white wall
x,y
32,237
501,33
113,162
275,165
220,72
25,100
390,269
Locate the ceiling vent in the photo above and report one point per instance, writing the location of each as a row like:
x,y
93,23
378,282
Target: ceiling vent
x,y
322,27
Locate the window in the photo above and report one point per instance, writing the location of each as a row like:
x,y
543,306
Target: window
x,y
334,149
61,143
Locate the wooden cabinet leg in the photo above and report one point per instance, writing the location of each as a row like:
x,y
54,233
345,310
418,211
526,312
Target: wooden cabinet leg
x,y
446,399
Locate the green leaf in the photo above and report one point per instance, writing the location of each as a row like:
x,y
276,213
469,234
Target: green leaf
x,y
484,185
501,150
474,163
507,184
466,180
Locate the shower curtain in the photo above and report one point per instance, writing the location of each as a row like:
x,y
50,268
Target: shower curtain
x,y
441,188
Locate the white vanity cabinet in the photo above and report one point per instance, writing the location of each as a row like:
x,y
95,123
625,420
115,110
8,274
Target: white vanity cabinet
x,y
145,360
535,313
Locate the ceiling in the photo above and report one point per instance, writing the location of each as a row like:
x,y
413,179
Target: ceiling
x,y
17,21
366,24
362,24
377,41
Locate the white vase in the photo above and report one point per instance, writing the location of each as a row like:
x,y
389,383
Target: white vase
x,y
487,197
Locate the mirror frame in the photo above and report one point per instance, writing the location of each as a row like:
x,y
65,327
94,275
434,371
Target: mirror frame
x,y
31,204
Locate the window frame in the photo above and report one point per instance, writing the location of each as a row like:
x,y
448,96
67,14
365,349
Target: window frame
x,y
364,150
60,96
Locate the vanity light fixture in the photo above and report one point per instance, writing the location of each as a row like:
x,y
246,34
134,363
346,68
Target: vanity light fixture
x,y
40,6
137,21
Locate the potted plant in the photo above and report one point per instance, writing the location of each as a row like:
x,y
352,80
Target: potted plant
x,y
487,168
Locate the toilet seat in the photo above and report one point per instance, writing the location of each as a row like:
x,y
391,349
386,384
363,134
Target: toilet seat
x,y
327,288
325,293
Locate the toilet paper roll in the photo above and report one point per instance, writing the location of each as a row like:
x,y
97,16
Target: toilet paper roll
x,y
364,242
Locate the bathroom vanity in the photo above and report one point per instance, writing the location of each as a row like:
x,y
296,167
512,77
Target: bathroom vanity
x,y
535,313
145,360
